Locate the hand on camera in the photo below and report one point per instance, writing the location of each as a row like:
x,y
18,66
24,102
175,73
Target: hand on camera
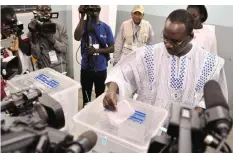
x,y
32,26
81,10
91,51
50,37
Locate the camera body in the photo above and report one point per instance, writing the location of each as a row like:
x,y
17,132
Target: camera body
x,y
30,105
90,9
44,24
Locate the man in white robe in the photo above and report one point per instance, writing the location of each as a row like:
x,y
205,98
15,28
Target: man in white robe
x,y
174,71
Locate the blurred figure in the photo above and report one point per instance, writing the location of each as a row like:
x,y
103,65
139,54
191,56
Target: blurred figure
x,y
11,27
204,36
48,49
133,33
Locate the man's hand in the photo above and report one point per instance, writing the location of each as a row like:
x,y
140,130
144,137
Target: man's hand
x,y
115,63
91,51
49,37
199,109
110,100
32,26
81,11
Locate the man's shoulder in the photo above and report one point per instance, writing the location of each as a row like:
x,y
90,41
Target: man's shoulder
x,y
59,26
202,53
156,49
127,21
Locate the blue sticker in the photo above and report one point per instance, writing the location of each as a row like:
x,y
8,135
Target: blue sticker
x,y
104,140
47,81
138,117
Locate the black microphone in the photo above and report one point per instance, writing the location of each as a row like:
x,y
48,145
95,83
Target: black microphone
x,y
84,143
217,111
213,95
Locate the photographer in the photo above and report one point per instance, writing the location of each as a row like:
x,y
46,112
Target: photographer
x,y
10,27
49,50
96,43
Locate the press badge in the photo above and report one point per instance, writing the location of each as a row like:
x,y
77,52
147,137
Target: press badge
x,y
53,57
96,46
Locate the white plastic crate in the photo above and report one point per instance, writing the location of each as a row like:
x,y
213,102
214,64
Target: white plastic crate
x,y
127,137
66,93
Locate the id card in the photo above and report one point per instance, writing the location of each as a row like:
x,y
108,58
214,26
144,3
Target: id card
x,y
53,57
96,46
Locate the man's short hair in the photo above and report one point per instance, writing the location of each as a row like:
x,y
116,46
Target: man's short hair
x,y
6,11
202,9
182,16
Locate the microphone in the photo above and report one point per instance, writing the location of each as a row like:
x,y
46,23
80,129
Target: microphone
x,y
217,111
213,95
84,143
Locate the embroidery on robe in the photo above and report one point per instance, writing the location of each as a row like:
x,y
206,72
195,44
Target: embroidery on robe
x,y
149,60
206,71
177,79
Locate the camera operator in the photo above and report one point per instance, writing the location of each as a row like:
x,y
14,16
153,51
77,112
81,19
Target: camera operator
x,y
97,42
10,27
49,50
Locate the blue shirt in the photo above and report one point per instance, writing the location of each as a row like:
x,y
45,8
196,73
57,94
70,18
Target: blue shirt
x,y
96,62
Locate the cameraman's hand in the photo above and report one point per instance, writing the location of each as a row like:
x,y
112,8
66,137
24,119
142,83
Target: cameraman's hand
x,y
110,100
91,51
50,37
32,26
81,10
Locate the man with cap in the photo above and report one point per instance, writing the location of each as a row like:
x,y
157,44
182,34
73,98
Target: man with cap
x,y
204,35
133,33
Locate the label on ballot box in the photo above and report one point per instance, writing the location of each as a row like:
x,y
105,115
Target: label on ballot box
x,y
47,81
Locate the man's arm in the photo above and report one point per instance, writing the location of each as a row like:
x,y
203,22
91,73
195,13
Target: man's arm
x,y
79,31
119,45
34,44
121,80
109,41
151,36
24,46
61,45
109,49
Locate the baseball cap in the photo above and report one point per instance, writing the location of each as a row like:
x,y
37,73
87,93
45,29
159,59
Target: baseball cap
x,y
138,8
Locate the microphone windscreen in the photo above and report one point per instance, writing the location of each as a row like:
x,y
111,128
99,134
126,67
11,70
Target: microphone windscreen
x,y
213,95
91,138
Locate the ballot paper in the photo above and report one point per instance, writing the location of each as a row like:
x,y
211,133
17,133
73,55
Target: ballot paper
x,y
124,111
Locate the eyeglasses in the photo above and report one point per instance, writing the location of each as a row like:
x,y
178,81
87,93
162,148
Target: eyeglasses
x,y
175,43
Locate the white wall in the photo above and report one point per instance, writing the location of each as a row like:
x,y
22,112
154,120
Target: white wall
x,y
108,15
217,14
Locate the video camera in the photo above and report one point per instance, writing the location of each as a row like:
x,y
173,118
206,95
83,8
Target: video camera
x,y
13,28
29,124
44,25
90,9
9,65
191,132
